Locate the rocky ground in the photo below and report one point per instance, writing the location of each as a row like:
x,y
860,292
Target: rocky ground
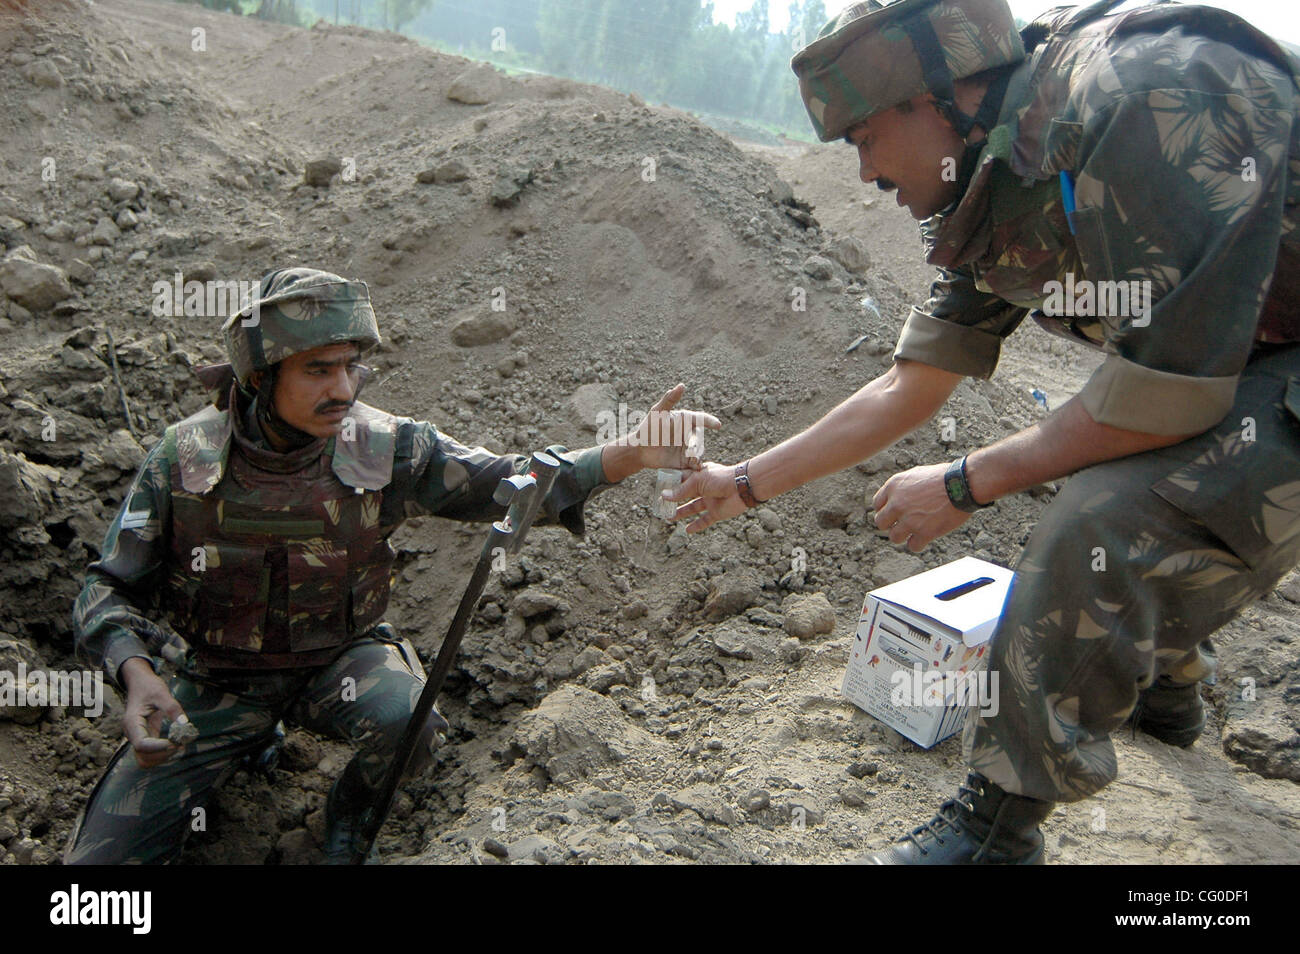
x,y
635,695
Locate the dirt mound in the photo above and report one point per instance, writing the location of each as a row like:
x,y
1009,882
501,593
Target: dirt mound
x,y
634,695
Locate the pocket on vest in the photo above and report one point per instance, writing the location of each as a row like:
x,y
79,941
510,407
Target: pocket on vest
x,y
232,595
319,595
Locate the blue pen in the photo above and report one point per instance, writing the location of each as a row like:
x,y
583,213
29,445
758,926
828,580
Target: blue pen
x,y
1067,197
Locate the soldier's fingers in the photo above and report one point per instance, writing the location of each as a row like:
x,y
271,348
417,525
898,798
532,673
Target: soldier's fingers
x,y
152,758
899,533
691,509
172,709
702,419
670,399
689,489
705,521
885,516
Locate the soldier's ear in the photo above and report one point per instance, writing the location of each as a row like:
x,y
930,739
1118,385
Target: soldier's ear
x,y
255,380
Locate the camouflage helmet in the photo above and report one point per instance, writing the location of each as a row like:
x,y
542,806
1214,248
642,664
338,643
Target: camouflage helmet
x,y
873,57
295,310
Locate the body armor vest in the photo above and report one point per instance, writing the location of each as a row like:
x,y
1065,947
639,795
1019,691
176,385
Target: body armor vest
x,y
271,569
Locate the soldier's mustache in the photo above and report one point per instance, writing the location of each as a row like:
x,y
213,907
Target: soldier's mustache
x,y
884,185
333,406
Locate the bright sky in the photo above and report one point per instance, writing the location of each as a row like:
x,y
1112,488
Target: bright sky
x,y
1279,18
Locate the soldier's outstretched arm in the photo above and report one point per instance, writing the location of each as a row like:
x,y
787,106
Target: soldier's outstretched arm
x,y
881,412
435,474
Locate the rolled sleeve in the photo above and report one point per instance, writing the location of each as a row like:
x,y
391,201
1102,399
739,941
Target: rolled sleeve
x,y
961,349
1136,398
960,328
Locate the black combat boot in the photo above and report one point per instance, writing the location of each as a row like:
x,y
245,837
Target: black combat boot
x,y
983,825
1171,713
345,812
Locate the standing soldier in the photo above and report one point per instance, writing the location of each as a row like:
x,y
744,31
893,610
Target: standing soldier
x,y
1156,152
261,526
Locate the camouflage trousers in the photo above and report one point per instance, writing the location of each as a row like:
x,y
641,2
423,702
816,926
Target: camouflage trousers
x,y
366,696
1134,564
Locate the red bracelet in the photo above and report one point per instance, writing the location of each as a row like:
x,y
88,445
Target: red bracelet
x,y
743,487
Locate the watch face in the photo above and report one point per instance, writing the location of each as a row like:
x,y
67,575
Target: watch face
x,y
954,488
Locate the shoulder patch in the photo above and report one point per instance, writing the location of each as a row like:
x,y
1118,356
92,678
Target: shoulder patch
x,y
202,444
365,459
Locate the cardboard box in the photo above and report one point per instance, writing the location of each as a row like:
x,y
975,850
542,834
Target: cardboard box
x,y
919,659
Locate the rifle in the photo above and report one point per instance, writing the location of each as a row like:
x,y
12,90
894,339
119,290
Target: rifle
x,y
522,495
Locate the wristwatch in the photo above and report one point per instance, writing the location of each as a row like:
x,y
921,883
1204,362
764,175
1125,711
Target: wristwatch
x,y
954,481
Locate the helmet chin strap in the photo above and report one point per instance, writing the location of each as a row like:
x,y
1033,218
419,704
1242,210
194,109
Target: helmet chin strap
x,y
985,117
272,424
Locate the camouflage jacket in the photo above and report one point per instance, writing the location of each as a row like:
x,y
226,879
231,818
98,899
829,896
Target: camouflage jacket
x,y
1178,133
141,576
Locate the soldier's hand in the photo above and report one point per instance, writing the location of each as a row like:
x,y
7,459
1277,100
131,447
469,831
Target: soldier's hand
x,y
710,495
914,507
672,439
148,702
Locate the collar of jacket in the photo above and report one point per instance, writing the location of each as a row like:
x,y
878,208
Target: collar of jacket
x,y
961,233
361,457
253,444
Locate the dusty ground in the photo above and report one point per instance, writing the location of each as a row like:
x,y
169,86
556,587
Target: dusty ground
x,y
633,696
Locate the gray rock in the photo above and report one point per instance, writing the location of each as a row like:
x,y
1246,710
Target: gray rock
x,y
769,518
122,451
818,267
575,733
26,490
481,327
589,657
509,185
122,190
592,405
757,800
706,801
59,232
319,172
83,273
895,566
854,794
475,86
105,231
42,72
126,219
732,644
602,678
33,285
1264,735
733,592
534,602
851,252
453,170
806,616
534,849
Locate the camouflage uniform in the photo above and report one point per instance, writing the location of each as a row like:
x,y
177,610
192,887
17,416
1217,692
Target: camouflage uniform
x,y
273,570
1178,130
